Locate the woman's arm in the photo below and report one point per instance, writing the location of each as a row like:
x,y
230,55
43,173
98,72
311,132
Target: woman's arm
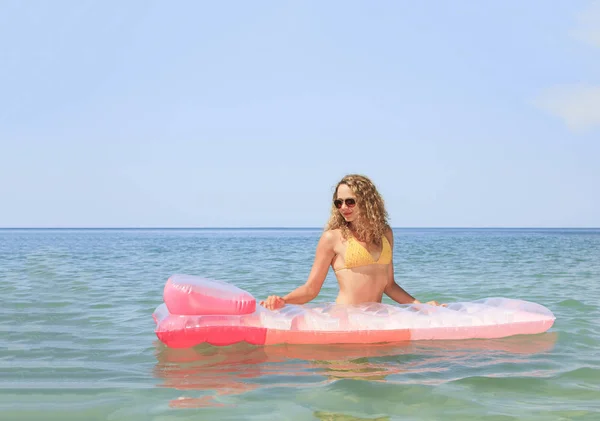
x,y
398,294
392,289
395,291
311,288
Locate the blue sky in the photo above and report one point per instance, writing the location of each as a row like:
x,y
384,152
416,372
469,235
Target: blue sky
x,y
229,114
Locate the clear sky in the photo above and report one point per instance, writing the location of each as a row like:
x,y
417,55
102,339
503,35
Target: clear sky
x,y
246,113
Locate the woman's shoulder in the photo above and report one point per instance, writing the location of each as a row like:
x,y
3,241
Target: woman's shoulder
x,y
389,233
330,239
333,236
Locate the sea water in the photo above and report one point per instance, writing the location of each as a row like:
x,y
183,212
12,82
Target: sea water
x,y
77,338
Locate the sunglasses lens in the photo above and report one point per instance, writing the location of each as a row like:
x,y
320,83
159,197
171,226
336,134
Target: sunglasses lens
x,y
349,202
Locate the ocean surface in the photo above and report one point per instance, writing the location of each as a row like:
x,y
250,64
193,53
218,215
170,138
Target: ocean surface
x,y
77,337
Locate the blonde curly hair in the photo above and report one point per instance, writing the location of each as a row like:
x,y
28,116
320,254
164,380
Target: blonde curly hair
x,y
372,220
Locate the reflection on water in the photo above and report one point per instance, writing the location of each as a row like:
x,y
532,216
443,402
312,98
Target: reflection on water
x,y
331,416
242,368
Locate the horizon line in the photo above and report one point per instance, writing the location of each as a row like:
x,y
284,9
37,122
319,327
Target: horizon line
x,y
281,227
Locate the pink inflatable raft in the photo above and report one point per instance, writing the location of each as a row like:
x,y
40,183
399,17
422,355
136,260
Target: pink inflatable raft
x,y
198,310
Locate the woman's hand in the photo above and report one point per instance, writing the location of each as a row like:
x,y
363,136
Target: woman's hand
x,y
431,303
273,302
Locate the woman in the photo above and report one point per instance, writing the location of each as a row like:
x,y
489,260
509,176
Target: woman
x,y
357,243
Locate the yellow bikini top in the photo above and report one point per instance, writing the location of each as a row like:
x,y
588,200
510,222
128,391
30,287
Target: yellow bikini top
x,y
357,255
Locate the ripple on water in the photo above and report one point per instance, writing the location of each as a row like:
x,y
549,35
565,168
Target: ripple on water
x,y
79,341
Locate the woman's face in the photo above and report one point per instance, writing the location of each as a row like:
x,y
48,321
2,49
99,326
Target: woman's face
x,y
346,203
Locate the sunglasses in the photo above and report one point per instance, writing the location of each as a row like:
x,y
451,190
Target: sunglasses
x,y
350,202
